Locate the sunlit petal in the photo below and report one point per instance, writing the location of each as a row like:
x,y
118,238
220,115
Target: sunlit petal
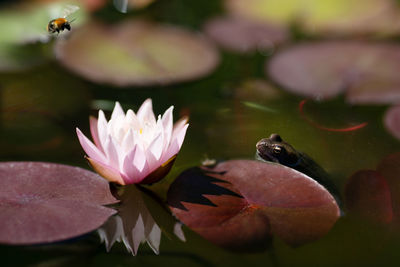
x,y
94,131
168,125
145,113
111,151
102,129
90,148
118,111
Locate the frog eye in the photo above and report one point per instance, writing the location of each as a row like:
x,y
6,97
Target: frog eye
x,y
277,149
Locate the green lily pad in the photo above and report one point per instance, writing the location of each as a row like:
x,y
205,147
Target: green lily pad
x,y
137,53
324,17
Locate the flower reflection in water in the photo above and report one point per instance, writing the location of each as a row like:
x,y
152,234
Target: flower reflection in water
x,y
135,223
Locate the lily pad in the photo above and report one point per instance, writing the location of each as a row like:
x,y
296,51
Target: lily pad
x,y
322,70
392,121
46,202
240,35
221,203
328,17
375,194
137,53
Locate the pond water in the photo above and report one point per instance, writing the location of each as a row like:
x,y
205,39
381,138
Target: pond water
x,y
230,109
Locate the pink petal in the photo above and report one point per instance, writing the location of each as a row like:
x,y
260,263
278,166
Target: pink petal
x,y
167,120
156,146
131,174
128,141
152,162
112,151
118,111
106,171
145,112
90,149
139,159
132,120
102,129
180,135
178,126
176,143
94,131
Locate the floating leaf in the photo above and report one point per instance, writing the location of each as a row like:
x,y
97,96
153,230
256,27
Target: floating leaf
x,y
241,35
375,194
392,121
389,168
367,194
46,202
327,17
137,53
340,66
240,204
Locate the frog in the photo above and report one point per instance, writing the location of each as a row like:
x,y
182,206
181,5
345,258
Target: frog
x,y
274,149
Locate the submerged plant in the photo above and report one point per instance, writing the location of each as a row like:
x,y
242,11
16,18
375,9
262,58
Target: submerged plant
x,y
134,148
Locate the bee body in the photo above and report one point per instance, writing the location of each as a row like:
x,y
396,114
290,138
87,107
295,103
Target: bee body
x,y
61,23
58,25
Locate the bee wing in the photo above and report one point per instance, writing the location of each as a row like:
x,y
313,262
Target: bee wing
x,y
68,10
121,5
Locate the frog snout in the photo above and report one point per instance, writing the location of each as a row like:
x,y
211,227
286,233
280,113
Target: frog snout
x,y
261,145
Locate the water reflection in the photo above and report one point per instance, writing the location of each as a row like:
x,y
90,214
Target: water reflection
x,y
135,222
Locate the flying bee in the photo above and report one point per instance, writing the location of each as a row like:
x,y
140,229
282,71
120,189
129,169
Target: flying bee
x,y
59,24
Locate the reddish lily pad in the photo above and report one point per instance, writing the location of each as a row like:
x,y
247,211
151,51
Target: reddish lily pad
x,y
325,69
327,17
240,35
375,194
240,204
367,194
392,121
137,53
46,202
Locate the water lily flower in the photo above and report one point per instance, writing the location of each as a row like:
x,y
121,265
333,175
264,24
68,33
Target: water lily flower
x,y
133,148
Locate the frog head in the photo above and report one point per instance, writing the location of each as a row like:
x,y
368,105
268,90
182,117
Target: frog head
x,y
274,149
